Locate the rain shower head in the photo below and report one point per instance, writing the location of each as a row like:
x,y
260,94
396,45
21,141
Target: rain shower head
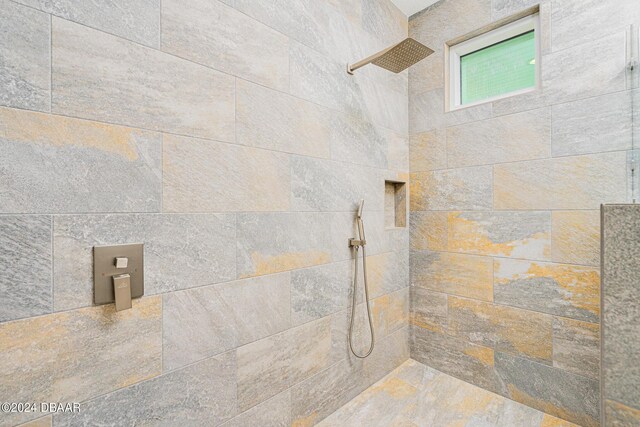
x,y
396,58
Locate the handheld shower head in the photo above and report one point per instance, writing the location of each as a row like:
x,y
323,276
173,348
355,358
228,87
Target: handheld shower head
x,y
359,214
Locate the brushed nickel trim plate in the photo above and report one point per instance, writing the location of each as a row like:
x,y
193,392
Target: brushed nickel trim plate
x,y
105,259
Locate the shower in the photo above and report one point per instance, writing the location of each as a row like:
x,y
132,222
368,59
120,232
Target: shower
x,y
356,244
396,58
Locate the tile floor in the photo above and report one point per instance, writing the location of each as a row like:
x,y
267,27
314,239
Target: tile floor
x,y
414,395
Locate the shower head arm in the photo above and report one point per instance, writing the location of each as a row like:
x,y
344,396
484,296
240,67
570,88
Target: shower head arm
x,y
368,60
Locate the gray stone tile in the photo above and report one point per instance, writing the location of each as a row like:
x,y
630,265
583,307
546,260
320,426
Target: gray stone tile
x,y
389,353
40,422
322,394
384,20
428,309
102,77
456,357
452,189
560,289
202,394
470,276
504,8
576,237
359,141
273,242
25,266
427,112
619,415
572,74
61,357
576,347
329,186
511,138
390,312
621,303
90,166
208,176
273,364
343,226
205,321
171,263
320,291
592,125
579,182
551,390
256,52
137,20
275,412
25,57
276,121
581,22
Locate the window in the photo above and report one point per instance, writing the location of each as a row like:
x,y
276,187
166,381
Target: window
x,y
498,63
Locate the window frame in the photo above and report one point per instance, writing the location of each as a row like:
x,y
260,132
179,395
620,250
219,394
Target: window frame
x,y
485,39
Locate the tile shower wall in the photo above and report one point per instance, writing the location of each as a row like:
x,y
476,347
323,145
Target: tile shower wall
x,y
229,139
505,280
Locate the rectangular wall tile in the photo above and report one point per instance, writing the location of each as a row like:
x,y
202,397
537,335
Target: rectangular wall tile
x,y
550,390
505,234
137,20
273,120
25,266
390,312
592,125
90,166
275,412
581,182
329,186
200,394
561,289
511,138
385,20
621,303
209,176
195,261
428,230
456,357
256,52
576,237
506,329
452,189
387,272
428,309
569,74
205,321
580,22
456,274
25,57
619,415
271,365
428,151
273,242
576,347
320,291
102,77
61,356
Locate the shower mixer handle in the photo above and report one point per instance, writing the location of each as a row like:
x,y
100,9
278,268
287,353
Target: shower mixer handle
x,y
357,242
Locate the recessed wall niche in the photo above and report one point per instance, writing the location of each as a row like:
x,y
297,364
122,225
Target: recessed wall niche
x,y
395,204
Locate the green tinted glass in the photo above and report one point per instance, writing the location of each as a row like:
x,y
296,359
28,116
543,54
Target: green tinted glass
x,y
501,68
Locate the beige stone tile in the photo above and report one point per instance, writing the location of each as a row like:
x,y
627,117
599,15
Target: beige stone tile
x,y
428,230
576,347
428,151
575,237
452,189
209,176
428,309
390,312
619,415
505,234
506,329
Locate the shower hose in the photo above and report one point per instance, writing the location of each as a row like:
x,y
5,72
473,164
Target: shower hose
x,y
353,304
